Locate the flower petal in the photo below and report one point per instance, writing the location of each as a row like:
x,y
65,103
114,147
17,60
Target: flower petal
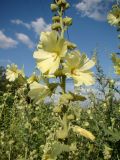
x,y
38,92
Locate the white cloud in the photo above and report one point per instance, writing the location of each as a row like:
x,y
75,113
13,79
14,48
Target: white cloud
x,y
6,42
95,9
37,25
25,40
20,22
40,25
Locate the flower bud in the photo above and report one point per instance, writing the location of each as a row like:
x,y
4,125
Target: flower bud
x,y
67,21
60,2
67,6
119,36
57,109
56,26
86,124
71,117
39,46
54,7
112,81
56,19
33,78
104,104
64,1
71,45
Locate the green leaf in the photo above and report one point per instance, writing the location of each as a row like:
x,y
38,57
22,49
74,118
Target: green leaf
x,y
53,86
115,135
63,133
77,97
58,148
67,97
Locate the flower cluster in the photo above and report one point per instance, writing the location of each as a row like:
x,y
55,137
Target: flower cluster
x,y
114,16
13,72
114,19
54,55
116,61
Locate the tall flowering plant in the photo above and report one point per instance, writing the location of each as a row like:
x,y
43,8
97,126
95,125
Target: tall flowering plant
x,y
114,19
58,58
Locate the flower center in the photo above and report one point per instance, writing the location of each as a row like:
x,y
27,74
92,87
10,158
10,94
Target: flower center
x,y
75,72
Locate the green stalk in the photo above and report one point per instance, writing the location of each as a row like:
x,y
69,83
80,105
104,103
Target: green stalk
x,y
26,151
61,22
10,153
63,83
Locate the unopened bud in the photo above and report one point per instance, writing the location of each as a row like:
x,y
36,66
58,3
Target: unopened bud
x,y
71,45
54,7
56,26
57,109
56,19
33,78
119,36
67,21
60,2
39,46
64,1
71,117
67,6
112,81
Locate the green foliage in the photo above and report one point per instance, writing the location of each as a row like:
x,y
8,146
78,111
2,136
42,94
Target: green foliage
x,y
28,131
3,81
57,148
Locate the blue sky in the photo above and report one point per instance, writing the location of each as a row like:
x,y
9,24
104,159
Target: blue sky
x,y
21,22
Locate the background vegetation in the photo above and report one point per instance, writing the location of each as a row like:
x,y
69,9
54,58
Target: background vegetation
x,y
24,126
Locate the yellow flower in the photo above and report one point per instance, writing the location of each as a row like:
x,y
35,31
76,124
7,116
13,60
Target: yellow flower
x,y
83,132
38,92
116,62
33,78
53,48
12,72
77,67
114,16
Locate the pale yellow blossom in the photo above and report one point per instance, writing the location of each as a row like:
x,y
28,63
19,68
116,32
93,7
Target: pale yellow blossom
x,y
116,61
53,48
12,72
114,16
33,78
77,67
38,92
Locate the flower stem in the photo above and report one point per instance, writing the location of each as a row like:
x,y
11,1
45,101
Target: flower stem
x,y
64,83
61,22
